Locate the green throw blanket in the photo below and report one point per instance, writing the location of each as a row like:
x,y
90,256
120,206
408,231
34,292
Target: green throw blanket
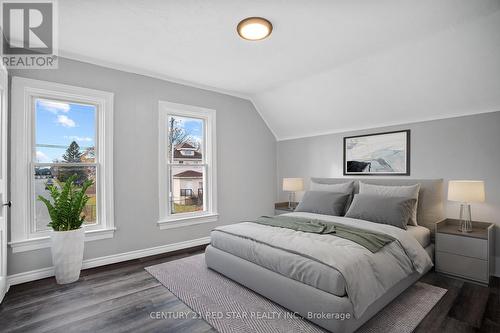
x,y
373,241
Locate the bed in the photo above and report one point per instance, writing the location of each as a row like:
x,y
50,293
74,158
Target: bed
x,y
317,276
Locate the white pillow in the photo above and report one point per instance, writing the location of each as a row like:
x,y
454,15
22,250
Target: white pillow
x,y
338,188
410,191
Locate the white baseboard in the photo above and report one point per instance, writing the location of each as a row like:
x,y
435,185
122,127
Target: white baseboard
x,y
106,260
4,287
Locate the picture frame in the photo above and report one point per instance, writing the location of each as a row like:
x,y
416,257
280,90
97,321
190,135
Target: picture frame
x,y
377,154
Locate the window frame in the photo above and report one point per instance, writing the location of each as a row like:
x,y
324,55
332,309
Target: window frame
x,y
24,93
166,219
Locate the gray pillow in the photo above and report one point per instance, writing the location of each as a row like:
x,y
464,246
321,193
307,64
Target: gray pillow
x,y
410,191
321,202
346,188
380,209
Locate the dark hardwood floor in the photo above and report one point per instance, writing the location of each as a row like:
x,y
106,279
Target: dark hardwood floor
x,y
121,298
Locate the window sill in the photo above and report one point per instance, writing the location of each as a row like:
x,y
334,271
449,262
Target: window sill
x,y
44,242
180,222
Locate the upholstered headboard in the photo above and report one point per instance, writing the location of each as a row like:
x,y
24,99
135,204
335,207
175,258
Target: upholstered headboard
x,y
430,199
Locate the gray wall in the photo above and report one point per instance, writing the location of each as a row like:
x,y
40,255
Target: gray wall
x,y
246,159
454,148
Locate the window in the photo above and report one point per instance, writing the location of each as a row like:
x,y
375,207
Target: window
x,y
187,165
59,131
65,137
186,192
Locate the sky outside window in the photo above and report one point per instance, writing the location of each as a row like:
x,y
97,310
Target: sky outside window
x,y
192,126
58,124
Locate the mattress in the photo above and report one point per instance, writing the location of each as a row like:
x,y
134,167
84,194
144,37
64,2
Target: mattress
x,y
299,268
421,234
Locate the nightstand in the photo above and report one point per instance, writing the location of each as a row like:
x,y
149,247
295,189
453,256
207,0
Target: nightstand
x,y
282,208
465,255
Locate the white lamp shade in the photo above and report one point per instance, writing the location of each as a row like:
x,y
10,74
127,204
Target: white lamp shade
x,y
293,184
466,190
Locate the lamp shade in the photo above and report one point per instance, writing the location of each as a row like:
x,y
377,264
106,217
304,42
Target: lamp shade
x,y
466,190
293,184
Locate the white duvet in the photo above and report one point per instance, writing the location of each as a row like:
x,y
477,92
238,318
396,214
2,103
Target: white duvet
x,y
367,275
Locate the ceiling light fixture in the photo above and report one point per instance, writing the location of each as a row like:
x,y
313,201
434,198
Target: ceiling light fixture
x,y
254,28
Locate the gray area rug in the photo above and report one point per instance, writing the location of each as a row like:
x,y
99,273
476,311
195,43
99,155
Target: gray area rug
x,y
229,307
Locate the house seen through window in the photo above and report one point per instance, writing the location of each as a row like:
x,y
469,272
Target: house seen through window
x,y
186,163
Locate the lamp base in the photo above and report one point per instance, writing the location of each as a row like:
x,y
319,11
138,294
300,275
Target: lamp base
x,y
291,199
465,218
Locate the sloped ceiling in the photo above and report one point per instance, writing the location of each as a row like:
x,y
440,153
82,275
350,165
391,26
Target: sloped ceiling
x,y
329,66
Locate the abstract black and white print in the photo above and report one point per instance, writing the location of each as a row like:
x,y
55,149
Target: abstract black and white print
x,y
378,154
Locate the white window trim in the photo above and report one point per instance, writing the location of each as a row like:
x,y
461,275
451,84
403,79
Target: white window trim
x,y
167,221
23,91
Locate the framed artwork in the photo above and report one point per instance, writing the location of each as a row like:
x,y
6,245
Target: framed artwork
x,y
380,154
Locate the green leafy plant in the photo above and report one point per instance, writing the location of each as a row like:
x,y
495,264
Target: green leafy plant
x,y
68,202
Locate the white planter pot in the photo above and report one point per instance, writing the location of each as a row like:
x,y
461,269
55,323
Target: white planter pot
x,y
67,254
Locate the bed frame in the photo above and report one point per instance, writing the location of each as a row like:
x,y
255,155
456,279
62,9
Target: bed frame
x,y
296,296
304,299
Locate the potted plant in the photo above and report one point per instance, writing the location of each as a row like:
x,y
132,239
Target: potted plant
x,y
67,239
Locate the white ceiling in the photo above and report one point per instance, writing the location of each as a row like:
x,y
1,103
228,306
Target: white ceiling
x,y
329,65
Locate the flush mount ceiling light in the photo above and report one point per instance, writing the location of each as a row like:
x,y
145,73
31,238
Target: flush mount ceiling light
x,y
254,28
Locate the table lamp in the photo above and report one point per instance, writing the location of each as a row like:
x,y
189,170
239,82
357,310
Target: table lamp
x,y
465,192
292,185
